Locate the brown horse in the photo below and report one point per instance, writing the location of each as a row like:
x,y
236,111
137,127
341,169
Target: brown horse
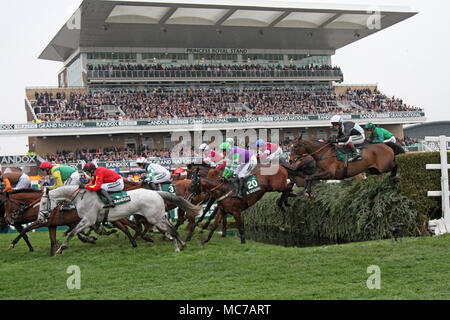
x,y
376,159
222,191
57,218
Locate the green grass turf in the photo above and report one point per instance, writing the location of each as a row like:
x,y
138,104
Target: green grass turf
x,y
417,268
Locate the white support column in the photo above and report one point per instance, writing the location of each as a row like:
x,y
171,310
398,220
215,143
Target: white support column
x,y
444,193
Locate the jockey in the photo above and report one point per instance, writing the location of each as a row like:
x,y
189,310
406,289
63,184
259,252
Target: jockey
x,y
104,181
240,163
16,180
379,135
210,157
349,134
61,174
271,151
156,174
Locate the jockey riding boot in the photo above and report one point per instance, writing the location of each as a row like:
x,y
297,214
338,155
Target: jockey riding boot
x,y
242,187
153,186
354,153
240,193
111,203
236,183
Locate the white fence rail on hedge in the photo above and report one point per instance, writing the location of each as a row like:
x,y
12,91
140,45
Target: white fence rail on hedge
x,y
441,226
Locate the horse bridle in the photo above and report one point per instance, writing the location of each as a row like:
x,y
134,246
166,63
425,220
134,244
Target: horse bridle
x,y
314,152
48,210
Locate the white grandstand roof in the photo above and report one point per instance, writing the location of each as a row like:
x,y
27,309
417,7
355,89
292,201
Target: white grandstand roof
x,y
219,24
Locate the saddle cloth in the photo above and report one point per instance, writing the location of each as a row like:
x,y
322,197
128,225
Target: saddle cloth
x,y
251,185
168,187
118,198
344,156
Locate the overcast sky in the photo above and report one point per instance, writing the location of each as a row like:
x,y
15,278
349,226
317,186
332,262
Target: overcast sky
x,y
409,60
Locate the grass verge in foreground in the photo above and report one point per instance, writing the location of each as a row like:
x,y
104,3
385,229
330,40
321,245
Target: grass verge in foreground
x,y
417,268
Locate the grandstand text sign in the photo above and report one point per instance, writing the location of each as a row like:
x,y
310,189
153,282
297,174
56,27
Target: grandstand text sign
x,y
193,121
216,51
18,160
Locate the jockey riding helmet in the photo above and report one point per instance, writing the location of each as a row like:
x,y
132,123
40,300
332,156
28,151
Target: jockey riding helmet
x,y
89,167
46,165
369,126
336,120
141,160
204,147
260,142
225,146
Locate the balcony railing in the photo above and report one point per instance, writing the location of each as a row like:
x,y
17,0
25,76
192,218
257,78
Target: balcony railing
x,y
202,74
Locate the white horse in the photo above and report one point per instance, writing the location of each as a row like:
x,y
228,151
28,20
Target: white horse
x,y
147,203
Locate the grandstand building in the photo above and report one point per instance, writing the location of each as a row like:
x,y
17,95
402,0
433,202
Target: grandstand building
x,y
135,72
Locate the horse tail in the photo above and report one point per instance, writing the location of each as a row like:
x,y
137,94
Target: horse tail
x,y
395,147
190,209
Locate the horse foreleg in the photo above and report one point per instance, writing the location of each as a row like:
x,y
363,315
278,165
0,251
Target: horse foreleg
x,y
191,228
181,218
34,225
240,226
224,226
53,241
84,223
124,229
25,237
214,226
211,217
207,208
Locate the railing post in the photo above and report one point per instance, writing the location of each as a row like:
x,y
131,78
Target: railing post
x,y
444,182
444,222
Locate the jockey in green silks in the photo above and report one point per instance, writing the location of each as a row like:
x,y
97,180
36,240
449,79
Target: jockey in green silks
x,y
240,163
379,135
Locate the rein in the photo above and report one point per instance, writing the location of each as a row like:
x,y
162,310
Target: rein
x,y
70,195
216,187
314,152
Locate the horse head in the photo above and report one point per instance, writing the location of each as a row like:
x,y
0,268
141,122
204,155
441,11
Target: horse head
x,y
194,187
298,150
45,206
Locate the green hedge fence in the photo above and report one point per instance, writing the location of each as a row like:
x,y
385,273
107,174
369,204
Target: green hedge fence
x,y
353,210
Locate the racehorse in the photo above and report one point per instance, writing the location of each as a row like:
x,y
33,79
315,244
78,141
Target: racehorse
x,y
58,218
222,191
147,203
376,159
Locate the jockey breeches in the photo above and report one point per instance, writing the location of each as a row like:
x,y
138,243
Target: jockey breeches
x,y
23,183
115,186
245,169
391,139
356,140
161,178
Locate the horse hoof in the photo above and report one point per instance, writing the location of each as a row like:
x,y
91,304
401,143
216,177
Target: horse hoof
x,y
11,247
58,253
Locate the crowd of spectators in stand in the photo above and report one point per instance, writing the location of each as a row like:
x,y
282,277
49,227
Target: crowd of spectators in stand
x,y
211,102
375,101
208,67
106,154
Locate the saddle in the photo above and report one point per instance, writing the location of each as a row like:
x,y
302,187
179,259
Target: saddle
x,y
347,156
